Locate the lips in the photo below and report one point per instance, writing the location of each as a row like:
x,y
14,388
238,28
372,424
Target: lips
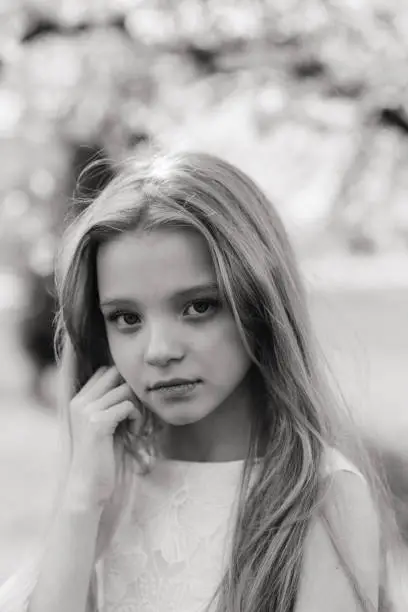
x,y
173,383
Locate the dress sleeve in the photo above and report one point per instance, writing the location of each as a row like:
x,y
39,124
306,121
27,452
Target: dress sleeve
x,y
335,461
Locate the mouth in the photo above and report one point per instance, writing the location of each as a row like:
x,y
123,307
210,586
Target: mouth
x,y
176,387
173,382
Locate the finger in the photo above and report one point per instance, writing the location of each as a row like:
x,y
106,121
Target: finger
x,y
114,396
109,379
135,415
114,415
92,380
135,421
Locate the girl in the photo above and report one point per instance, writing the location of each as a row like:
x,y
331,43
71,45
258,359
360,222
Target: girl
x,y
206,468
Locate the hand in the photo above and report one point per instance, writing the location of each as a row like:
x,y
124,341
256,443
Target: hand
x,y
94,415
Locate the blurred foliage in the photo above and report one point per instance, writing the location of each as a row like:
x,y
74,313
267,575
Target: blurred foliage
x,y
312,92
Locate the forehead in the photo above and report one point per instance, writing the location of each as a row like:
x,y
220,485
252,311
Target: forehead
x,y
162,261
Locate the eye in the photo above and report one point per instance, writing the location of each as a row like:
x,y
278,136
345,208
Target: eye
x,y
202,307
123,319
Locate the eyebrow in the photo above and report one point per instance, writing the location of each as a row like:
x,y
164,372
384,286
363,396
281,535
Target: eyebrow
x,y
186,293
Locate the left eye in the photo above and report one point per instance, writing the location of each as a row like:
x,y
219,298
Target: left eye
x,y
201,307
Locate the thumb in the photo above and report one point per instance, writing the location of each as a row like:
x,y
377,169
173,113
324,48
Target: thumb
x,y
135,420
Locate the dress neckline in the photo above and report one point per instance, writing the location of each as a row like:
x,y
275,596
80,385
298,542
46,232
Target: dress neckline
x,y
204,464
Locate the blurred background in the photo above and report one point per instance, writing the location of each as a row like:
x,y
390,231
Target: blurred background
x,y
308,96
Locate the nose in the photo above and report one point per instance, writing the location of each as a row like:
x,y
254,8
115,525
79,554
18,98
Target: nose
x,y
162,346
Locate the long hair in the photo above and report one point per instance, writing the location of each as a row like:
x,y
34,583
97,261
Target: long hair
x,y
258,276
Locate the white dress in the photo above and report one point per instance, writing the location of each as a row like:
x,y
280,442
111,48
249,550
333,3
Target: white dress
x,y
170,546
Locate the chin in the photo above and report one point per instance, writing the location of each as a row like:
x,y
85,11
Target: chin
x,y
180,418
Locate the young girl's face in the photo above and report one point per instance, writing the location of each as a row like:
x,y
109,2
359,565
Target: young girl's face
x,y
165,320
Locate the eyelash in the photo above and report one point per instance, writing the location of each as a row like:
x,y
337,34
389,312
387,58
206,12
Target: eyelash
x,y
212,302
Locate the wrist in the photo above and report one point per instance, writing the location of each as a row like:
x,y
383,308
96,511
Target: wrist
x,y
78,500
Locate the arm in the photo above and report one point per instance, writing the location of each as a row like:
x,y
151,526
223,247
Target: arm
x,y
17,591
64,580
66,576
67,564
324,584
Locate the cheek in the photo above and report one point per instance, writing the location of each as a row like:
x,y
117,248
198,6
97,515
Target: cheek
x,y
123,354
224,348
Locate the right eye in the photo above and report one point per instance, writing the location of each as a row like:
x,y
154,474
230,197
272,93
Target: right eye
x,y
123,319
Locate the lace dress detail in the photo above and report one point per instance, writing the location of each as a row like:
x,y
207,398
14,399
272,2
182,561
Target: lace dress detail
x,y
170,549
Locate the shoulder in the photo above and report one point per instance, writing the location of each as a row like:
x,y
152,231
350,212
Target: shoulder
x,y
342,547
347,495
348,506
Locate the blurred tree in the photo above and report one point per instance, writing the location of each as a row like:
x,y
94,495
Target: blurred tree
x,y
111,75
